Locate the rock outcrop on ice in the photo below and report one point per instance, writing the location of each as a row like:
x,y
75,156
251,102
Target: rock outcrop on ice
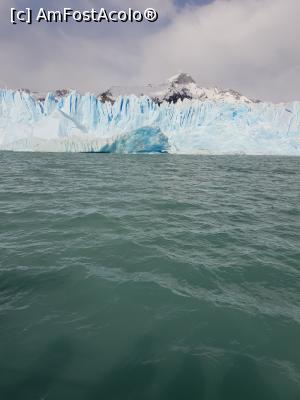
x,y
176,117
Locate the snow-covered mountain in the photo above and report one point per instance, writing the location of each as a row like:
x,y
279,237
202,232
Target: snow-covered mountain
x,y
179,87
177,116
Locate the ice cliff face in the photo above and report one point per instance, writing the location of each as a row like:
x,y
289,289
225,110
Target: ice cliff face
x,y
176,117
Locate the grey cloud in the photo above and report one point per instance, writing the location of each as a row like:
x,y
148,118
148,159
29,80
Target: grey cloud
x,y
249,45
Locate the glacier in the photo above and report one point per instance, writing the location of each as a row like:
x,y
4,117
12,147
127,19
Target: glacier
x,y
194,121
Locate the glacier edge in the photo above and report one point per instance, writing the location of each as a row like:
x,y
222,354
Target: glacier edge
x,y
83,123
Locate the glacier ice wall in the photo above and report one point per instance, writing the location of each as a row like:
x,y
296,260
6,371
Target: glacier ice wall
x,y
82,123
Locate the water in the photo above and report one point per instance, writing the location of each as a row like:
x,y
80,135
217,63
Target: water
x,y
149,277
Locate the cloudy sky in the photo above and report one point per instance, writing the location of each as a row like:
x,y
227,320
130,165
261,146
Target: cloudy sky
x,y
249,45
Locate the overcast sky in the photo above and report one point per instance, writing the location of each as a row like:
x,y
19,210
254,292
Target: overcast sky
x,y
252,46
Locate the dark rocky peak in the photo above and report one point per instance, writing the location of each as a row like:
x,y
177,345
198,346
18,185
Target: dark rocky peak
x,y
181,79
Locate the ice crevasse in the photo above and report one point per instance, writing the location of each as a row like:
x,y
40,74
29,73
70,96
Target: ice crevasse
x,y
141,124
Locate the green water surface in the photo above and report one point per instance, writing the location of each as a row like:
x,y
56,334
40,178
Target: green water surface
x,y
149,277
